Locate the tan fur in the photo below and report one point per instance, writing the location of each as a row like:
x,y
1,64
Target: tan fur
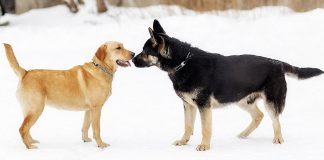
x,y
256,116
247,103
20,72
83,87
277,139
190,116
206,126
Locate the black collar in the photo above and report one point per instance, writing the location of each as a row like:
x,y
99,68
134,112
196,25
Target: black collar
x,y
105,70
183,63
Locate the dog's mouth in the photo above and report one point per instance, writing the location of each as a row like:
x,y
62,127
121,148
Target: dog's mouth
x,y
123,63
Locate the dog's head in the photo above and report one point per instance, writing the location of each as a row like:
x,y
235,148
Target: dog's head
x,y
160,50
114,54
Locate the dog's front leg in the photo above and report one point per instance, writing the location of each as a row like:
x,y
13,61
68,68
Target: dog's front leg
x,y
206,125
190,116
86,125
95,116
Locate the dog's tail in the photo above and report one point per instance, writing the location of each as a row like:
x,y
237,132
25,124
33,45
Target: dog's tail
x,y
20,72
301,73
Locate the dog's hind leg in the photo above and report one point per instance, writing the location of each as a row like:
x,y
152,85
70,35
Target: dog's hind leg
x,y
86,126
190,116
31,139
29,120
275,123
33,103
256,116
275,92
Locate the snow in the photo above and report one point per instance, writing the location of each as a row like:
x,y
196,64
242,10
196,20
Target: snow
x,y
143,117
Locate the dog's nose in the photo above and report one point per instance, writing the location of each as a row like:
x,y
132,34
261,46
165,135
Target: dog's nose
x,y
133,54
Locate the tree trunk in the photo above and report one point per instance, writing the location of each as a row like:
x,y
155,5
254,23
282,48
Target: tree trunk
x,y
101,6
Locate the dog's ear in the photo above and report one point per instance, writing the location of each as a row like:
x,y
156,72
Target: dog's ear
x,y
154,37
159,40
157,27
164,50
101,52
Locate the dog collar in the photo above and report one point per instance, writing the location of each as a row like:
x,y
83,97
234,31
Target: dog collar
x,y
105,70
183,63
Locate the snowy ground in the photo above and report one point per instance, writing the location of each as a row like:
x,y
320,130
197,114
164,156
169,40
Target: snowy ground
x,y
143,116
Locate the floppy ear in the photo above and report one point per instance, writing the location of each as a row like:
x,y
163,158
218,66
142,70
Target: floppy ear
x,y
154,37
157,27
101,52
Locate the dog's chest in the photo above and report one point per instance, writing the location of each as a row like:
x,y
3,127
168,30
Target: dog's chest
x,y
189,97
195,98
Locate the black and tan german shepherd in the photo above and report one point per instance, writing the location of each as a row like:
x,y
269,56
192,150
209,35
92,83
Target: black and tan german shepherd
x,y
208,80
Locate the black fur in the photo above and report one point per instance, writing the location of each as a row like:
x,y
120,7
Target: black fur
x,y
227,78
302,73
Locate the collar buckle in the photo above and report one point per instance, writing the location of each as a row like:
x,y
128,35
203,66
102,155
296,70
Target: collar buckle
x,y
183,63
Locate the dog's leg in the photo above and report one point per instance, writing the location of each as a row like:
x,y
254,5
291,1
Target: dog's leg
x,y
275,123
190,115
206,124
86,126
95,116
275,97
31,139
33,104
28,122
256,116
193,117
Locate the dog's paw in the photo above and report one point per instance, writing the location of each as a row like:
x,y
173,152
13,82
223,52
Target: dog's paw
x,y
278,140
32,147
180,142
103,145
203,147
242,135
34,141
85,140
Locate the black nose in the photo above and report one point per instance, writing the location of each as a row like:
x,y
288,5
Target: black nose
x,y
133,54
134,60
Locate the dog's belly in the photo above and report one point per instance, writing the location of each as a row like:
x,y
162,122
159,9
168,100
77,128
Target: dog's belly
x,y
191,98
76,99
65,96
68,105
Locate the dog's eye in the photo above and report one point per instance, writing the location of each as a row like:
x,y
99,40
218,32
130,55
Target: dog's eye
x,y
118,48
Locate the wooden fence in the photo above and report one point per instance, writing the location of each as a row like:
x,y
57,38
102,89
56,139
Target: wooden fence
x,y
207,5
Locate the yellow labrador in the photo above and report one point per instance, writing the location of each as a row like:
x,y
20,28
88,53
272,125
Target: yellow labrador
x,y
84,87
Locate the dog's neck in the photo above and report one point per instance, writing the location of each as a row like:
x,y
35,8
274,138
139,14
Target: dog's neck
x,y
183,63
184,48
105,68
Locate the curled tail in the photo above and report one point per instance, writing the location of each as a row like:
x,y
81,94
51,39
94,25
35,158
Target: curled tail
x,y
20,72
302,73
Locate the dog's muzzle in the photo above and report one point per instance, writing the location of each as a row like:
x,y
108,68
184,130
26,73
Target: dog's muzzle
x,y
138,62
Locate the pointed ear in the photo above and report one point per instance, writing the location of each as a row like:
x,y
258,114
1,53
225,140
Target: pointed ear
x,y
154,37
164,50
101,52
157,27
